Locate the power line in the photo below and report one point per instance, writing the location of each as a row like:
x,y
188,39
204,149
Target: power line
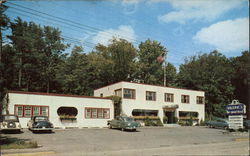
x,y
90,28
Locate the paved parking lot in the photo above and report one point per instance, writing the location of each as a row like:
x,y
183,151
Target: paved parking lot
x,y
146,141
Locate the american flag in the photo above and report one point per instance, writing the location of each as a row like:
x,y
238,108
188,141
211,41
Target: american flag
x,y
160,58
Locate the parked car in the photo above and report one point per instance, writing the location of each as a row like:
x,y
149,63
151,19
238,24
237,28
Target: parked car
x,y
246,124
10,123
40,123
123,123
218,123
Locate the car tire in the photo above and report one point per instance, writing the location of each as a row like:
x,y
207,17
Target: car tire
x,y
110,127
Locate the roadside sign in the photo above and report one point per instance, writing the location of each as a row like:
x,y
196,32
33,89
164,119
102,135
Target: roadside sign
x,y
236,109
235,112
235,121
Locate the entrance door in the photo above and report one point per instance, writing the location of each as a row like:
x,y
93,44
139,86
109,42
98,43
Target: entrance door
x,y
170,115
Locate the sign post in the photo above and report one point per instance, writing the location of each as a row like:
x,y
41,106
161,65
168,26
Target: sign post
x,y
235,112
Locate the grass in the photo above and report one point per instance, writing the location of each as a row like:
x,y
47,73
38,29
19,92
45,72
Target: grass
x,y
15,143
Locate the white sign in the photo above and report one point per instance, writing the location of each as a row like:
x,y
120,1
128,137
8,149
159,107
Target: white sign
x,y
235,112
235,121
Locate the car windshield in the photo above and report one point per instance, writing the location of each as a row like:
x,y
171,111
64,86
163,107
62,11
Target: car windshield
x,y
10,117
127,119
40,118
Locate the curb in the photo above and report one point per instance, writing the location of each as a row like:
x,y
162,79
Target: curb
x,y
30,154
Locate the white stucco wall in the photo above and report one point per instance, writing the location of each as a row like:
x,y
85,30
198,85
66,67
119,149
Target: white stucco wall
x,y
140,101
54,102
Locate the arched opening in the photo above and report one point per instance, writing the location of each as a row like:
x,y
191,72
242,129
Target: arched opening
x,y
67,113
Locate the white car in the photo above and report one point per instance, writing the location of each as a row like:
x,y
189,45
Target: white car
x,y
10,123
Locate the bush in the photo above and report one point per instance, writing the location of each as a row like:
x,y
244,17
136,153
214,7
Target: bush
x,y
165,119
176,119
153,122
190,122
202,123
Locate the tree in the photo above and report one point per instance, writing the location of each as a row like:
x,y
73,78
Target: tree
x,y
4,24
149,67
171,75
211,73
72,73
241,66
37,52
52,54
119,56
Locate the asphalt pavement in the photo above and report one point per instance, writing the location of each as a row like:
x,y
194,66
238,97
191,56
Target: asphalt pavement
x,y
145,141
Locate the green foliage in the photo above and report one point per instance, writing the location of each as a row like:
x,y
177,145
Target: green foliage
x,y
152,122
241,66
165,119
120,57
149,69
202,123
117,101
14,143
211,73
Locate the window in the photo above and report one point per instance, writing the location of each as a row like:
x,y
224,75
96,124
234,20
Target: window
x,y
29,110
151,96
169,97
184,98
144,112
36,110
19,111
200,100
45,111
97,113
94,113
188,114
118,92
88,113
129,93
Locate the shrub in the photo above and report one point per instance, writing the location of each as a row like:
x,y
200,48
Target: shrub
x,y
165,119
202,123
152,122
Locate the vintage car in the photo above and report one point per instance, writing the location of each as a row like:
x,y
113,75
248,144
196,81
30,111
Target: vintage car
x,y
123,123
246,124
218,123
40,123
10,123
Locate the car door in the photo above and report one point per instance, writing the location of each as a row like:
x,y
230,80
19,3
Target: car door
x,y
119,122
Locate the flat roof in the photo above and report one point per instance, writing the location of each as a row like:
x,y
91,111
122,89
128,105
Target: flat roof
x,y
149,85
55,94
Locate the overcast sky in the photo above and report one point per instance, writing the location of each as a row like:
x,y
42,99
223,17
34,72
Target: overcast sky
x,y
184,27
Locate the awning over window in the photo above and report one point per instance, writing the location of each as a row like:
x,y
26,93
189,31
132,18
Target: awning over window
x,y
170,108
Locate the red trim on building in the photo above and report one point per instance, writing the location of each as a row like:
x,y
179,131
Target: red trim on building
x,y
54,94
148,85
32,109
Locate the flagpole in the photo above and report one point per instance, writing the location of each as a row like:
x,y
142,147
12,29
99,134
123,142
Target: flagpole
x,y
164,70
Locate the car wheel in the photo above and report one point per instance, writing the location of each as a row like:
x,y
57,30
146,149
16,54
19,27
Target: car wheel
x,y
110,127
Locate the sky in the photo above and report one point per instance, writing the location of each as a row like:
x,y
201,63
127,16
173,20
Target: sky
x,y
184,27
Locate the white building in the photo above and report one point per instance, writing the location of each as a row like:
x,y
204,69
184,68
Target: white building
x,y
150,100
64,111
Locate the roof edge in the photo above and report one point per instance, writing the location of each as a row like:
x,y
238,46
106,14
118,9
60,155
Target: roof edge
x,y
55,94
149,85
